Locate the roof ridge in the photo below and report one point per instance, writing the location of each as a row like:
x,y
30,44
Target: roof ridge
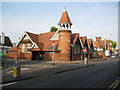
x,y
46,32
30,33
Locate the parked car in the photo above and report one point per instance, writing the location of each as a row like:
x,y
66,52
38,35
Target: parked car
x,y
113,56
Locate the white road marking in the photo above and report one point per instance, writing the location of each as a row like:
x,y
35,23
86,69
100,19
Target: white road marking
x,y
9,72
22,69
7,84
25,68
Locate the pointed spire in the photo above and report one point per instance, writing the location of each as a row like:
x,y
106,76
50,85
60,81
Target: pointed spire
x,y
65,17
65,20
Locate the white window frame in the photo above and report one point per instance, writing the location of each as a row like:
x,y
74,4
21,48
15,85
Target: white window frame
x,y
23,48
28,47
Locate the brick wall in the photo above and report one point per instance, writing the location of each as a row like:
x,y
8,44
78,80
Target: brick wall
x,y
10,55
76,57
57,56
61,56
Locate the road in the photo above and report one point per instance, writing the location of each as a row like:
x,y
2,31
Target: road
x,y
101,75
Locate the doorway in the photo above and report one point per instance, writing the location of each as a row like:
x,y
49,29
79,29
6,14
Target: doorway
x,y
36,55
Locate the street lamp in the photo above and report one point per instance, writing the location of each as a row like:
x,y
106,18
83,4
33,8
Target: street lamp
x,y
53,44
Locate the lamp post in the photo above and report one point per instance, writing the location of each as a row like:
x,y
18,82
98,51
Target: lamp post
x,y
53,44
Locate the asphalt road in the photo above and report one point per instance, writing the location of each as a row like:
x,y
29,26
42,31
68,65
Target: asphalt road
x,y
102,75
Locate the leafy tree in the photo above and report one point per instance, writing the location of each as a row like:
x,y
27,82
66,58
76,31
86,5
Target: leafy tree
x,y
114,44
53,29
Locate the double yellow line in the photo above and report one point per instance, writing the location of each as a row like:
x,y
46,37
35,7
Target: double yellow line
x,y
115,84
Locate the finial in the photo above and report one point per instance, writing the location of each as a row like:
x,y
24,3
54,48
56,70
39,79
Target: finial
x,y
65,8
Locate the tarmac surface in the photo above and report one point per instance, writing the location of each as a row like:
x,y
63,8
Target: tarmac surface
x,y
44,69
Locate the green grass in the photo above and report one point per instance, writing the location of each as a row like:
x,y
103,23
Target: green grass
x,y
3,54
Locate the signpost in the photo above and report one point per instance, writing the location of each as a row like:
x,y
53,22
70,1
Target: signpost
x,y
84,50
85,58
53,44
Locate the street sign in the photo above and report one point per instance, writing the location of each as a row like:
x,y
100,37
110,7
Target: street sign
x,y
84,50
53,44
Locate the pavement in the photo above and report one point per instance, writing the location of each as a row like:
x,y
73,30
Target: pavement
x,y
44,69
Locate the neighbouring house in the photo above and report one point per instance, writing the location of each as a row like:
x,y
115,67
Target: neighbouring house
x,y
101,46
108,45
67,47
5,42
85,46
91,50
76,47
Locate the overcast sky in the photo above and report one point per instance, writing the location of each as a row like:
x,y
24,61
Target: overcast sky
x,y
90,19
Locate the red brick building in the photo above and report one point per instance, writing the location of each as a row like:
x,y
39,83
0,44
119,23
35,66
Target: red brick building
x,y
91,49
67,47
85,46
101,46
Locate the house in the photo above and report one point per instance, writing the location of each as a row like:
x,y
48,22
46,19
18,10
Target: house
x,y
85,46
5,42
76,47
101,46
67,46
91,49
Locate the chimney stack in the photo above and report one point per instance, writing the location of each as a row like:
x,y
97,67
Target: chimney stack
x,y
98,39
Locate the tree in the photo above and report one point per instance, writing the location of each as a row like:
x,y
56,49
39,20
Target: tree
x,y
114,44
53,29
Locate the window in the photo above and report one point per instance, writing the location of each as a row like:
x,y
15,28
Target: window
x,y
78,48
23,48
28,47
75,49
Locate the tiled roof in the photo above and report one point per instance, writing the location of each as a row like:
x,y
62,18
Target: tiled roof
x,y
7,41
34,38
14,48
90,42
43,40
83,39
95,43
65,18
74,37
47,43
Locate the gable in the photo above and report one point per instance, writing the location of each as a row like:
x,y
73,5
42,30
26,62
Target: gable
x,y
55,36
7,41
28,37
25,37
34,46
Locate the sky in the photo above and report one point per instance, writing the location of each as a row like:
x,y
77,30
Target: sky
x,y
90,19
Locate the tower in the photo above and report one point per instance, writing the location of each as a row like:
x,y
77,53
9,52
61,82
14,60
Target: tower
x,y
65,22
65,35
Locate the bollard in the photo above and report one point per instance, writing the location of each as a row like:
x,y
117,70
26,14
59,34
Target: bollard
x,y
86,61
16,70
